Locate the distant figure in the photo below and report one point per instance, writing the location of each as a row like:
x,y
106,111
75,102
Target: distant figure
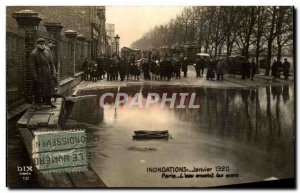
x,y
211,70
184,66
197,66
280,68
220,69
156,70
100,65
136,71
286,69
42,70
169,68
177,67
122,68
86,70
152,69
253,68
202,65
146,69
94,71
275,70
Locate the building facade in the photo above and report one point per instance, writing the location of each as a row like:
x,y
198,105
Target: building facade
x,y
110,34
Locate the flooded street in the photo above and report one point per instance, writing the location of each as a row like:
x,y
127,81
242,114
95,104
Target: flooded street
x,y
249,130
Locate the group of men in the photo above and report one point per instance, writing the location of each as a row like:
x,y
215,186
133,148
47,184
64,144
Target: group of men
x,y
171,67
278,67
42,70
130,69
217,68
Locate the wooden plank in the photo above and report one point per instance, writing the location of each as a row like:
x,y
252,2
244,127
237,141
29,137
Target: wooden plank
x,y
38,120
53,121
44,110
22,122
43,121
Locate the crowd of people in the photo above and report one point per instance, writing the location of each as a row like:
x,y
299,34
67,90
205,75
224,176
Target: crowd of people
x,y
116,68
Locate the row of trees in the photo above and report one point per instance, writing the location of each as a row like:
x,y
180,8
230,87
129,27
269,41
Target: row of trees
x,y
248,31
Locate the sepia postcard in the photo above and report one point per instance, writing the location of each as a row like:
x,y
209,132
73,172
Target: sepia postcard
x,y
150,97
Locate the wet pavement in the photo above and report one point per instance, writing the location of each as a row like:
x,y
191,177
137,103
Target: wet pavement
x,y
251,130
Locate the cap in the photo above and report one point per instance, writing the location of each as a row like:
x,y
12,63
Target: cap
x,y
40,40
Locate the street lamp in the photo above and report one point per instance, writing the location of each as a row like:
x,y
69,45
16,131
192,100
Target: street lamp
x,y
117,39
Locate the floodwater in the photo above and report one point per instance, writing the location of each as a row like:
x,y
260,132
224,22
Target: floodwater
x,y
250,131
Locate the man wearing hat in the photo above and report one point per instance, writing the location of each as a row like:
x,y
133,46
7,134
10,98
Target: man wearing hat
x,y
42,70
50,46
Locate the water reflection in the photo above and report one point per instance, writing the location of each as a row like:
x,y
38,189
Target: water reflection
x,y
252,130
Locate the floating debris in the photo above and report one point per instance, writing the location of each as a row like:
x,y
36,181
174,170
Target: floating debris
x,y
142,148
144,134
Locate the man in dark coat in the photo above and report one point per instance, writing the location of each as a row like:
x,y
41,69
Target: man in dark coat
x,y
94,71
146,70
127,67
122,68
197,66
184,66
109,69
85,68
100,65
220,69
275,70
50,49
211,69
177,67
280,68
253,67
152,69
202,65
169,68
245,66
286,69
162,69
43,73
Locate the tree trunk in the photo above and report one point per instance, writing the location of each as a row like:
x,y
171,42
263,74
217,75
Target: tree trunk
x,y
270,40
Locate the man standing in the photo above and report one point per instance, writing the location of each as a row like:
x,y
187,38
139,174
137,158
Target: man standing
x,y
50,49
286,69
100,65
177,67
280,68
197,67
275,70
42,70
184,66
253,67
220,69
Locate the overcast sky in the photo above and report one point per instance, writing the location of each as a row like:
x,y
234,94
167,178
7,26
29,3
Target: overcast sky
x,y
132,22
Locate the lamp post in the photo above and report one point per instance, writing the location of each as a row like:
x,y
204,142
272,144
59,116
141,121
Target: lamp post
x,y
117,39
